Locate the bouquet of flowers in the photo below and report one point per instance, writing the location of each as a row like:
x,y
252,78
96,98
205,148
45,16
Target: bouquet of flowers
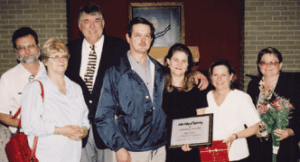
x,y
275,115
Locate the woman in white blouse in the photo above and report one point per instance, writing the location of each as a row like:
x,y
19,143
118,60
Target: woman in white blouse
x,y
232,109
60,122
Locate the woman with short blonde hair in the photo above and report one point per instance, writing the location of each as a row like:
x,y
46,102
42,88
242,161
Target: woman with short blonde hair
x,y
60,122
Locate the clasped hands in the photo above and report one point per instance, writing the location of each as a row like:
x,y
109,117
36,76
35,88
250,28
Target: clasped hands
x,y
73,132
283,133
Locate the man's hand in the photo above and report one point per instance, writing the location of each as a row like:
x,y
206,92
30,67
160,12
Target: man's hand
x,y
123,155
204,82
6,119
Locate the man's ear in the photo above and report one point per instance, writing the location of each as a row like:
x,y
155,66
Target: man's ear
x,y
127,38
79,26
103,24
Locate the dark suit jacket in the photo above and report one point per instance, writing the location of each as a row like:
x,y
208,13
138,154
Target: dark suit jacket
x,y
113,49
288,86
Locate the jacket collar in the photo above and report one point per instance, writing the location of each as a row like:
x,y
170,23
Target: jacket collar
x,y
124,65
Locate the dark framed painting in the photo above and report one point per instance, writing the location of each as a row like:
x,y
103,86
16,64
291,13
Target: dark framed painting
x,y
167,18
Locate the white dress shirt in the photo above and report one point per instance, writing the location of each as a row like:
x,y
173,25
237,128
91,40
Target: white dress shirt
x,y
39,119
12,83
236,110
85,51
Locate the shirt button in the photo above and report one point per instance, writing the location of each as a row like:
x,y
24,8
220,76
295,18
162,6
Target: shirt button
x,y
153,108
147,97
90,101
150,110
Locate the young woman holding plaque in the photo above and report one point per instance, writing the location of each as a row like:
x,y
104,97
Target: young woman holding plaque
x,y
181,98
231,109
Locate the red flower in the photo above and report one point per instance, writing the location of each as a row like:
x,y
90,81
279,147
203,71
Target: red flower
x,y
263,109
290,105
276,103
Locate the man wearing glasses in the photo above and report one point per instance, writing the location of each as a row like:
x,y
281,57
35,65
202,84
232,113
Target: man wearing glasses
x,y
12,82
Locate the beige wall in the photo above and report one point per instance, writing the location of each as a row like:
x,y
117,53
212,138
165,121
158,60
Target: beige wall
x,y
273,23
46,17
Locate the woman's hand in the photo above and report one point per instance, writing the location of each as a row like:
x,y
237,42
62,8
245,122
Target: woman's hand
x,y
73,132
79,135
229,141
283,133
200,111
186,147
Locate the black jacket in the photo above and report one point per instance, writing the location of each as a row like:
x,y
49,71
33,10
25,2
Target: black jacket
x,y
113,49
288,86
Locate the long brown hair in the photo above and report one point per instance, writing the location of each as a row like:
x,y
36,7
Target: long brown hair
x,y
188,82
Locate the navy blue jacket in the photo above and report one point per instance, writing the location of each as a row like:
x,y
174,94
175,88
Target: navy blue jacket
x,y
140,124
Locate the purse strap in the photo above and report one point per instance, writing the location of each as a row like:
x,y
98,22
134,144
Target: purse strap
x,y
35,140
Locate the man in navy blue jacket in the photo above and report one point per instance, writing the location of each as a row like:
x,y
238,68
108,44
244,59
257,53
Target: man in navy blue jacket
x,y
129,116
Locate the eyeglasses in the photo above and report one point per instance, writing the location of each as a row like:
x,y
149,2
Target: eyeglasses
x,y
272,63
23,48
66,57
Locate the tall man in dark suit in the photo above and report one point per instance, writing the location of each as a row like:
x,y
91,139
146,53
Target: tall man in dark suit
x,y
106,51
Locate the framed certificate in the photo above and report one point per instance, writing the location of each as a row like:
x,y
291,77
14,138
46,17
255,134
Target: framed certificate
x,y
195,131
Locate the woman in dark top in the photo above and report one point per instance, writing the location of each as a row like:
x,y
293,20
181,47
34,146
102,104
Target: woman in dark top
x,y
269,91
181,98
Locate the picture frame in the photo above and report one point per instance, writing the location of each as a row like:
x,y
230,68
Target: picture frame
x,y
195,131
167,19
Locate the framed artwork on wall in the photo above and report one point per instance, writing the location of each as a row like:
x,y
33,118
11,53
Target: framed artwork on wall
x,y
167,18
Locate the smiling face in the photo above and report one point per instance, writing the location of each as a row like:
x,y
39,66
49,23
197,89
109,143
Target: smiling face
x,y
178,63
91,26
140,40
221,78
269,65
27,49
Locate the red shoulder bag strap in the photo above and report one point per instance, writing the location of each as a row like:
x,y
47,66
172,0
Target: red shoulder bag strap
x,y
19,123
36,137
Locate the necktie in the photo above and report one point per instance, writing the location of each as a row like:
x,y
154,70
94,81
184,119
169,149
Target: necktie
x,y
91,67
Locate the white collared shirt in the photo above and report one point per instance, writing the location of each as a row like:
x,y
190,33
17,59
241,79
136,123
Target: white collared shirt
x,y
12,83
85,51
40,118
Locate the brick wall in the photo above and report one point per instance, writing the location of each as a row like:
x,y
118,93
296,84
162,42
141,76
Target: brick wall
x,y
274,23
46,17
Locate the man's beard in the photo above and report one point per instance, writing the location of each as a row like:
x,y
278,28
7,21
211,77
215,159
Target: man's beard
x,y
28,58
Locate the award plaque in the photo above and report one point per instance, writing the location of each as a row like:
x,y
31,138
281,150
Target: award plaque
x,y
195,131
